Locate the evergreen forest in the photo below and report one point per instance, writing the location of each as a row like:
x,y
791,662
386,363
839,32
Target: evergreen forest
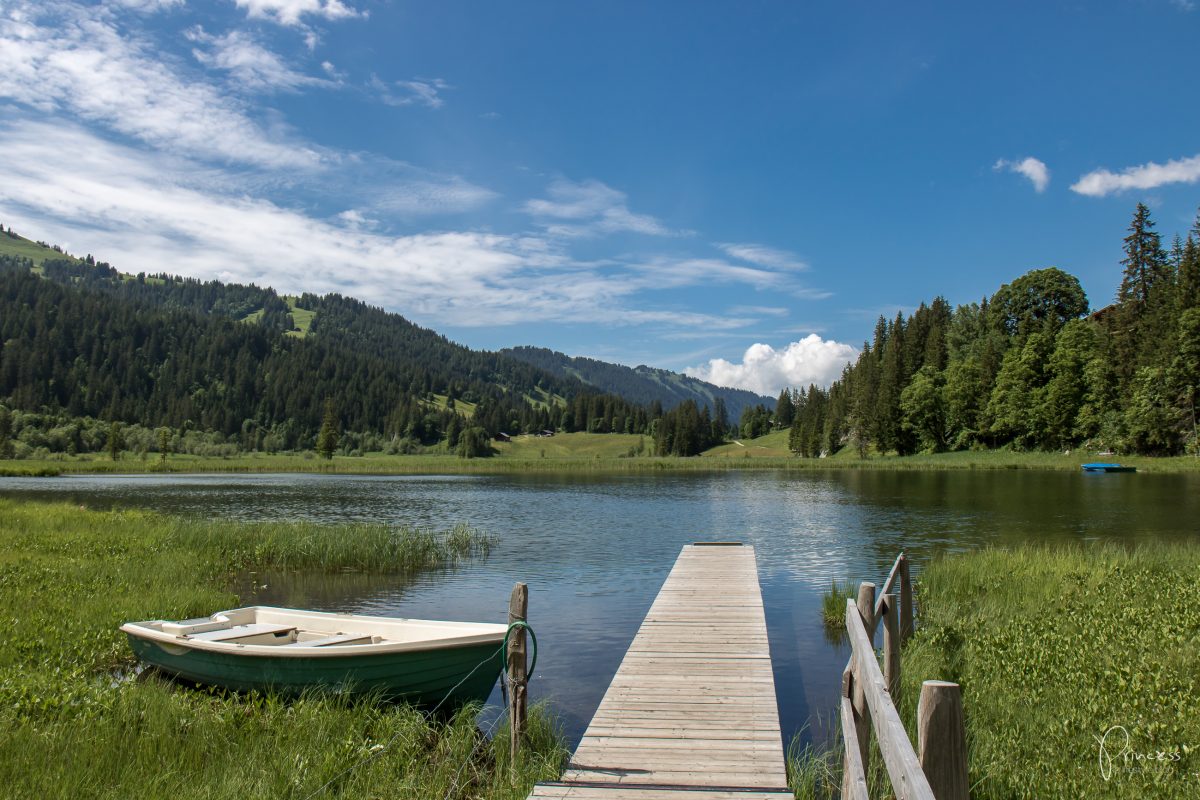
x,y
1029,368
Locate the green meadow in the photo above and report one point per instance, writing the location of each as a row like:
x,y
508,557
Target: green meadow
x,y
74,723
585,452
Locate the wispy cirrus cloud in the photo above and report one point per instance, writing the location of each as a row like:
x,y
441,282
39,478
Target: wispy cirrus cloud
x,y
1031,168
250,65
763,256
418,91
1103,182
150,211
147,6
765,370
64,58
588,208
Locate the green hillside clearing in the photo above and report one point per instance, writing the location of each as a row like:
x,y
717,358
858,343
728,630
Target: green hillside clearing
x,y
301,316
574,445
24,248
773,445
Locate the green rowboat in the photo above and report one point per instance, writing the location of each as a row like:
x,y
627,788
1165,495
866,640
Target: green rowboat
x,y
425,662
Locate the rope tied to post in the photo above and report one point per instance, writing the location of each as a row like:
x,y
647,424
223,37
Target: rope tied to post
x,y
520,623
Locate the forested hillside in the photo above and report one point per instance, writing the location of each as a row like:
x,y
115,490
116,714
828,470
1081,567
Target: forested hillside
x,y
89,355
221,368
1029,367
642,384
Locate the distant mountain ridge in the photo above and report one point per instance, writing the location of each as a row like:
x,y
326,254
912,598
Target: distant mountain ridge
x,y
641,384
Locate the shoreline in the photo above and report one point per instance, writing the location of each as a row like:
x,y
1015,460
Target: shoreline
x,y
379,464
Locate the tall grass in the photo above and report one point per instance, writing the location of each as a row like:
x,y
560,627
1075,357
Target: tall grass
x,y
1055,647
833,603
68,728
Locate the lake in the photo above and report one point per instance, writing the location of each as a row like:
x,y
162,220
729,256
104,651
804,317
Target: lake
x,y
595,549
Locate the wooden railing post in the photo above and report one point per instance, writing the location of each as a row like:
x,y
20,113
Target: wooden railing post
x,y
942,740
518,606
891,646
906,600
866,610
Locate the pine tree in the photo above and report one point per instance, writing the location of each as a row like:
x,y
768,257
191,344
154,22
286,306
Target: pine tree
x,y
327,438
1144,260
784,410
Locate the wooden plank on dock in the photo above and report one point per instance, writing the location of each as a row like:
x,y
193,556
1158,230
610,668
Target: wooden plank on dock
x,y
691,713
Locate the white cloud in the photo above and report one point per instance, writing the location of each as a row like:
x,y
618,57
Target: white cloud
x,y
250,64
588,208
67,58
1102,182
763,256
418,91
1033,169
147,211
670,273
291,12
146,6
767,371
769,311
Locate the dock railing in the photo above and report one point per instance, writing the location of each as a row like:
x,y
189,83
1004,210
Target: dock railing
x,y
939,770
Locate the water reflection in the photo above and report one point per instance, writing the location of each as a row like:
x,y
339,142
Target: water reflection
x,y
595,549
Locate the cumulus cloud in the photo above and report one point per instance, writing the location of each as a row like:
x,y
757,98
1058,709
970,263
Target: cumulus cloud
x,y
1033,169
588,208
1102,182
292,12
767,371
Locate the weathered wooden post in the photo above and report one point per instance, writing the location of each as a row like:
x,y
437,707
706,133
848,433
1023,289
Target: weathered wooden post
x,y
518,606
942,740
906,600
891,646
866,610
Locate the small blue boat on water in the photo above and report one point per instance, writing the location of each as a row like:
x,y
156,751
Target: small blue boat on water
x,y
1096,467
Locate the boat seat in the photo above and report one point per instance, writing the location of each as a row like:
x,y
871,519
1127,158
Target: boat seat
x,y
337,638
244,632
193,626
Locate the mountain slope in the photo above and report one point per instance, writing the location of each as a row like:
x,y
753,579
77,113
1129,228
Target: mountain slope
x,y
643,385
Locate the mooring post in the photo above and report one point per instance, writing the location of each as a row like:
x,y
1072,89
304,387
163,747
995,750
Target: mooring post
x,y
518,605
906,600
866,610
942,740
891,646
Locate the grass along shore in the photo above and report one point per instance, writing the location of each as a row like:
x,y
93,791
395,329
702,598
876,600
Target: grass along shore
x,y
583,453
1057,649
68,728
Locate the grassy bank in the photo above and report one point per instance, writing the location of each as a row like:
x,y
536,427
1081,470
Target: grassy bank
x,y
1054,648
586,453
69,577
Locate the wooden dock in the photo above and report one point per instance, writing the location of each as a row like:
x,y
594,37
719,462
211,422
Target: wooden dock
x,y
691,712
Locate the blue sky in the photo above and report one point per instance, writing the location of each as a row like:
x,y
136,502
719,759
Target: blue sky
x,y
735,189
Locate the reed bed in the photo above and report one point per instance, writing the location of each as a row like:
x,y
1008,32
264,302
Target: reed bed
x,y
73,725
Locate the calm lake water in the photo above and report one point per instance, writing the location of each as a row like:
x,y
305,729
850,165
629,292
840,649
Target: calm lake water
x,y
595,549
